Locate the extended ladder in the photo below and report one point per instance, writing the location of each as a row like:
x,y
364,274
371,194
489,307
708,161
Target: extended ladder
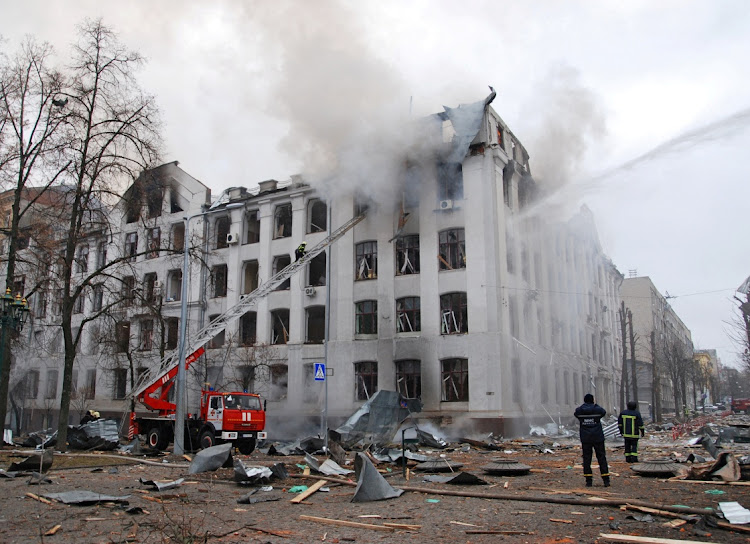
x,y
161,373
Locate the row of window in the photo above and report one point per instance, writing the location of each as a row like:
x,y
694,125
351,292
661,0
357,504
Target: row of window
x,y
454,318
28,388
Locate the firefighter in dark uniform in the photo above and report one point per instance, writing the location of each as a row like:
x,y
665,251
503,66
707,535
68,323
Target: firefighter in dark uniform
x,y
590,417
631,427
300,251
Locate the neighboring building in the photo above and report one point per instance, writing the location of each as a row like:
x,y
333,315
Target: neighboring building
x,y
709,374
456,292
671,347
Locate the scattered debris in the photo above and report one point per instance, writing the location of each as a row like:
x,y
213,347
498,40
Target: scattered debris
x,y
84,497
34,462
442,465
734,512
377,419
430,440
503,467
212,458
309,491
162,486
348,523
245,474
462,478
371,486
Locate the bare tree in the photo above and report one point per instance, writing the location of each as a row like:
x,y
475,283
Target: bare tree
x,y
32,126
739,324
113,136
633,361
676,362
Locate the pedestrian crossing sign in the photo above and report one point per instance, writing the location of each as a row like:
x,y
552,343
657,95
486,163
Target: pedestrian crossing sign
x,y
320,372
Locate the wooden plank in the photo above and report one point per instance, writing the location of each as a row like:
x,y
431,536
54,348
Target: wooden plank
x,y
404,526
38,498
309,491
497,532
649,540
561,520
347,523
53,530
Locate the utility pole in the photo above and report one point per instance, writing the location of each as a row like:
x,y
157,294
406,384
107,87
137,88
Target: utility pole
x,y
632,357
623,335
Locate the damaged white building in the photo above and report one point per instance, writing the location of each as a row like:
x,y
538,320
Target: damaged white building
x,y
455,292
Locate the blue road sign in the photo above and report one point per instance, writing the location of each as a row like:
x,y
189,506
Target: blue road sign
x,y
320,372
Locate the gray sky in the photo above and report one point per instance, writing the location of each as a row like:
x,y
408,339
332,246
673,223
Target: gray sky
x,y
257,90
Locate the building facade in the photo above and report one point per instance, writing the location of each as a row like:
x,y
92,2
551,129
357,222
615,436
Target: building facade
x,y
456,292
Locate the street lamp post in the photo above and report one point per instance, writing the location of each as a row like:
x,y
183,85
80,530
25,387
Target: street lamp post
x,y
181,401
13,315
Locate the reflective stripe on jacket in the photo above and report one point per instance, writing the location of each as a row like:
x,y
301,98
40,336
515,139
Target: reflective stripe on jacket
x,y
630,423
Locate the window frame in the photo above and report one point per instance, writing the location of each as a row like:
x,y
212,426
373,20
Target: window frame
x,y
454,393
455,303
408,312
452,253
409,373
364,374
405,244
366,260
366,312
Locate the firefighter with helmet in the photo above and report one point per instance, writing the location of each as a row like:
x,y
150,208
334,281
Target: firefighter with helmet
x,y
300,251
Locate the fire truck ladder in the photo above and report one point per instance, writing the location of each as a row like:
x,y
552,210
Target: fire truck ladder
x,y
165,371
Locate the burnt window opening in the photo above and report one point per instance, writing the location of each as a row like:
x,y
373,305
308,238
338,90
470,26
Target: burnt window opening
x,y
82,259
131,246
450,181
317,271
222,229
128,290
174,201
454,318
219,280
133,203
282,221
280,326
248,325
409,379
154,199
500,139
408,315
178,237
153,240
316,324
174,285
279,382
147,335
218,340
122,337
279,264
455,380
252,227
249,277
366,379
316,216
366,261
361,205
407,255
366,317
173,332
120,385
452,249
150,288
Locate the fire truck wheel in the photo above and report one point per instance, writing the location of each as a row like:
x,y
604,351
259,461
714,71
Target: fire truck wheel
x,y
157,439
207,439
246,447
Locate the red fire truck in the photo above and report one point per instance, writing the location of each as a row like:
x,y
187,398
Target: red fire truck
x,y
741,405
233,417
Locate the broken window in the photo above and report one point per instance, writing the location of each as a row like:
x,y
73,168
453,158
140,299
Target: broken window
x,y
407,255
218,340
361,205
455,380
122,337
128,288
450,181
316,216
250,277
282,221
279,264
178,237
500,141
219,280
452,250
222,225
147,335
248,324
133,203
317,270
89,390
154,199
131,245
173,332
279,382
316,324
280,326
409,379
101,255
408,316
454,318
120,385
82,260
153,240
98,295
252,227
174,285
366,319
52,376
366,379
366,261
150,288
174,201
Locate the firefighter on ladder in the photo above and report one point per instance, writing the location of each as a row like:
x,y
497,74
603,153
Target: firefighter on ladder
x,y
631,427
300,251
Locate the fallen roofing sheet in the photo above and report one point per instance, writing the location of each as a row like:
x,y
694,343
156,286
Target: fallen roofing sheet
x,y
377,419
161,486
371,486
83,497
212,458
